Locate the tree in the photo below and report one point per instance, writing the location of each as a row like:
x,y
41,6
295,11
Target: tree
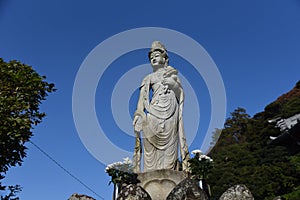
x,y
22,90
239,119
215,137
242,156
237,123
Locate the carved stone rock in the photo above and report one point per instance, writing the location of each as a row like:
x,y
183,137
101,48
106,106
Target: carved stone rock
x,y
133,192
237,192
76,196
187,190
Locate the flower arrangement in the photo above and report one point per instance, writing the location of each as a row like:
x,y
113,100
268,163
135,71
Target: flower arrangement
x,y
121,172
200,164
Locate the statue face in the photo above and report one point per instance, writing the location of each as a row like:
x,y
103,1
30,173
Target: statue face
x,y
157,59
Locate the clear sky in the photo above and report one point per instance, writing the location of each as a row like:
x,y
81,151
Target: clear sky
x,y
254,44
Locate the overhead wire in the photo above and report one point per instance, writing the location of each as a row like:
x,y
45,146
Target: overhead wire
x,y
65,170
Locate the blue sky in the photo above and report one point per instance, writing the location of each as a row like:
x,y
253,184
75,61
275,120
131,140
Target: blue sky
x,y
255,45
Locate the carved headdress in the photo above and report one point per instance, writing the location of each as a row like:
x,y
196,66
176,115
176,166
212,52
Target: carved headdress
x,y
158,46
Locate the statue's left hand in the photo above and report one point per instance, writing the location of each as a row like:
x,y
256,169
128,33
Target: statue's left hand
x,y
170,82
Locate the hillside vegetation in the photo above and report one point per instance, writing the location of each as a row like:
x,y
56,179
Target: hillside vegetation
x,y
242,154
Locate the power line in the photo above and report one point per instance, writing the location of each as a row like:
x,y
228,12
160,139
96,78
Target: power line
x,y
64,169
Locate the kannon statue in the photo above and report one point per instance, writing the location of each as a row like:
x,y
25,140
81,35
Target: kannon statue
x,y
158,122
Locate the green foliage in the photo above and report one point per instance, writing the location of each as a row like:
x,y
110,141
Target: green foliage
x,y
291,108
242,154
200,165
286,105
22,90
295,161
215,137
238,120
120,177
121,172
294,195
13,190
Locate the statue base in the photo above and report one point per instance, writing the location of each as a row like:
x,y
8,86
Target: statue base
x,y
159,183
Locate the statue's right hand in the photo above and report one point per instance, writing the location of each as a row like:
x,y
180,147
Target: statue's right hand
x,y
137,123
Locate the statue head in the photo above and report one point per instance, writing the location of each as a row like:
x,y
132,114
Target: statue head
x,y
157,46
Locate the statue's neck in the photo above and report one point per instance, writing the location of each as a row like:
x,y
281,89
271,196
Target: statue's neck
x,y
160,68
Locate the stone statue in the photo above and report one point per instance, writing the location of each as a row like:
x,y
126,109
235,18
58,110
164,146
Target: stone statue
x,y
159,116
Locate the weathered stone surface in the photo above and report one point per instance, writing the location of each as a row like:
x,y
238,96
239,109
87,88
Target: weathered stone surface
x,y
187,190
158,116
76,196
237,192
133,192
160,183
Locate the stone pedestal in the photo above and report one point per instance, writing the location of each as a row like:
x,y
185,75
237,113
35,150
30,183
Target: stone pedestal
x,y
160,183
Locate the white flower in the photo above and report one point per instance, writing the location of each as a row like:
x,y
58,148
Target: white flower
x,y
106,169
110,166
196,151
205,157
119,163
126,165
127,161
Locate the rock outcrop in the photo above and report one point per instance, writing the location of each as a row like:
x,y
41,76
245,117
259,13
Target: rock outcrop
x,y
76,196
133,192
187,190
237,192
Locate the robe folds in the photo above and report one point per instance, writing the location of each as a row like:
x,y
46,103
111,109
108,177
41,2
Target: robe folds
x,y
162,129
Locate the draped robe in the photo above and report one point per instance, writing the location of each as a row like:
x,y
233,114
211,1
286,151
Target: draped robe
x,y
162,121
